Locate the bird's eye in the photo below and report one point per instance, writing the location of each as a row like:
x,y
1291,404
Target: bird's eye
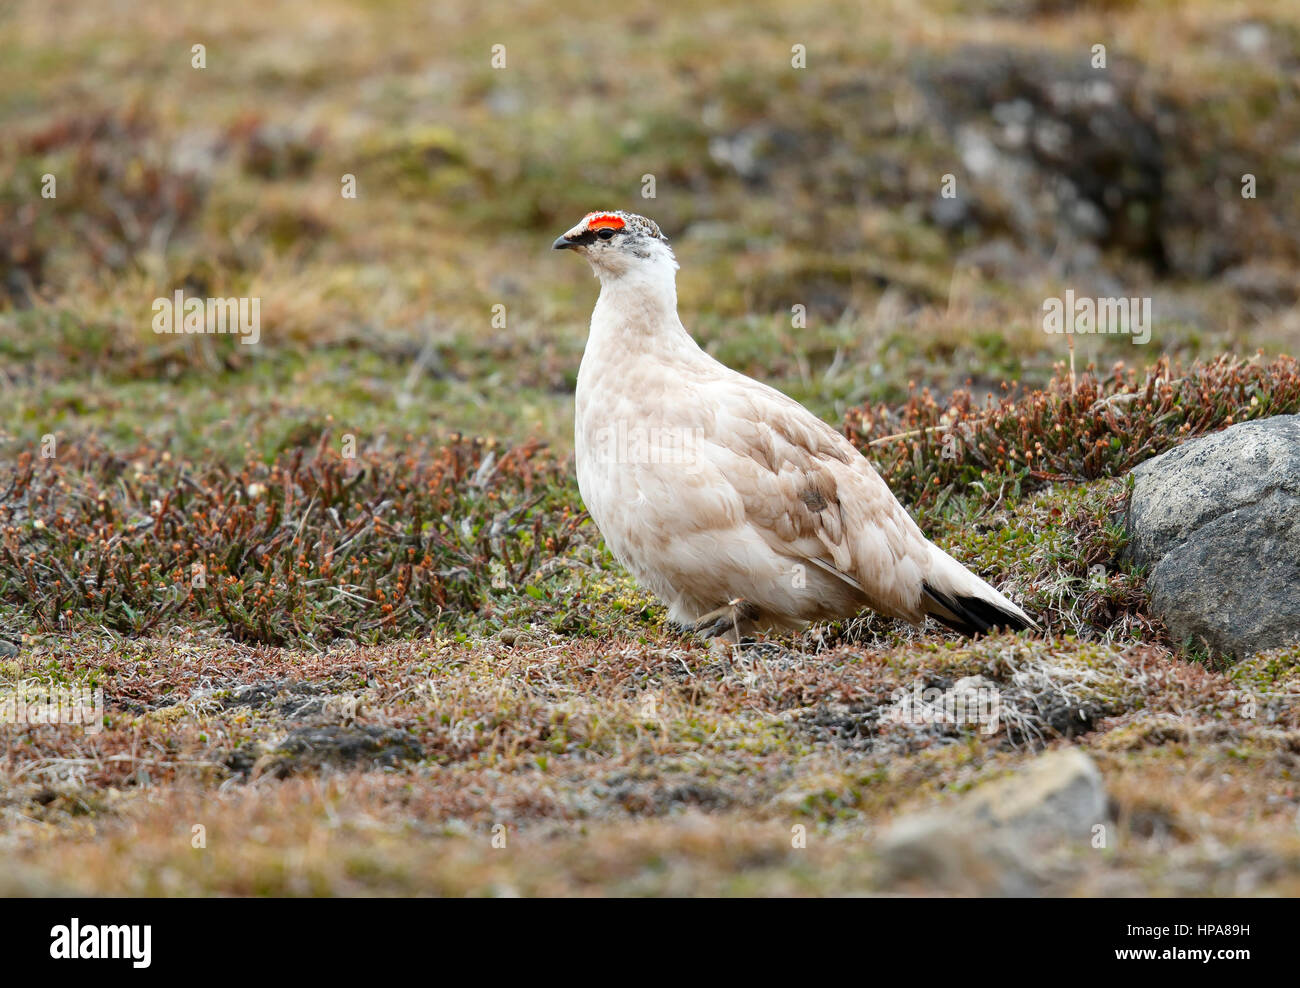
x,y
605,234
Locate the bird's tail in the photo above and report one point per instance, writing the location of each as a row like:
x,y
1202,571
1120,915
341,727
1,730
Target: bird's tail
x,y
956,597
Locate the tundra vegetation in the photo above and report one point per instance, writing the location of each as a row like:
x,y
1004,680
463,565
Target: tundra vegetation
x,y
353,630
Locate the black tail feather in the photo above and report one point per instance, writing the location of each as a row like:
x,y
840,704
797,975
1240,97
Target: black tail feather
x,y
971,615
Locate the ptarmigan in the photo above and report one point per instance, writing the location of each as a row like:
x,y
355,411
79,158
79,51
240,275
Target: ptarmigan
x,y
734,504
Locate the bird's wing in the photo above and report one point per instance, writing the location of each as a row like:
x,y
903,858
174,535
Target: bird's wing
x,y
811,495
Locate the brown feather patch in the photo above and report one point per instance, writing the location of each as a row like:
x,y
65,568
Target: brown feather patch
x,y
813,499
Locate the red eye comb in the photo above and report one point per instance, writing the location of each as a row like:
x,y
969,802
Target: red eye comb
x,y
604,221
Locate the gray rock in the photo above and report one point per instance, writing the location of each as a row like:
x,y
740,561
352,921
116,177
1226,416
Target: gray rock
x,y
337,746
1270,285
1217,522
1057,796
1055,148
994,838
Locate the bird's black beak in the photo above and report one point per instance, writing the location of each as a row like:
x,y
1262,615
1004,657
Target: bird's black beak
x,y
562,243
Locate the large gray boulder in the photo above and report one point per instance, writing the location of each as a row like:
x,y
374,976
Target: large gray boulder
x,y
1217,522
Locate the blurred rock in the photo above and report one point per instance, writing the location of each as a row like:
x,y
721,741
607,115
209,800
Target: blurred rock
x,y
756,151
1217,520
1270,285
995,839
1250,38
1261,42
1058,147
999,258
950,214
311,748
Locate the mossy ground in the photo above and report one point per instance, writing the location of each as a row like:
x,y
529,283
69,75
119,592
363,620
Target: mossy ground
x,y
404,659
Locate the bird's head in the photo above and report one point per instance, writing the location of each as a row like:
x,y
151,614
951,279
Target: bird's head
x,y
617,244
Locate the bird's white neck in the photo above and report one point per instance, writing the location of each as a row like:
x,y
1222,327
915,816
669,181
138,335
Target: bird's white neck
x,y
638,307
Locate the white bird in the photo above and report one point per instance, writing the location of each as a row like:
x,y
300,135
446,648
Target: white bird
x,y
736,506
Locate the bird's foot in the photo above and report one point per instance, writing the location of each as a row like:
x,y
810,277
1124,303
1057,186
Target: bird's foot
x,y
728,623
